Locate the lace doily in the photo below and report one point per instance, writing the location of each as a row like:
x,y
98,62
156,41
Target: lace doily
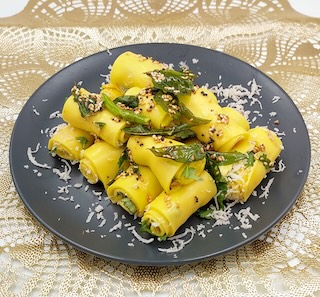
x,y
48,35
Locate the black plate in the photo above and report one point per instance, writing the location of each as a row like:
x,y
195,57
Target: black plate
x,y
68,221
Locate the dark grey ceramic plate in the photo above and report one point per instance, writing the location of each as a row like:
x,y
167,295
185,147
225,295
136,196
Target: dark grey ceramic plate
x,y
66,217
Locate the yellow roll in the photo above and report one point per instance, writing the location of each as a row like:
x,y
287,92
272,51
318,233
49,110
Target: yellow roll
x,y
100,162
236,116
149,108
263,141
168,172
129,69
133,189
223,132
102,123
168,212
243,179
201,102
68,142
111,90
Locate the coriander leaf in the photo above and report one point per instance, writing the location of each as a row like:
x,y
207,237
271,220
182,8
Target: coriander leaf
x,y
205,213
250,159
100,125
190,173
265,161
145,227
181,153
128,100
163,237
83,141
129,205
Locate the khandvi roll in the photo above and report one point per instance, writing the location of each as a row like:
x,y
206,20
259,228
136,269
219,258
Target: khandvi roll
x,y
148,107
243,177
99,162
85,110
112,90
164,215
222,132
236,116
129,70
169,172
134,189
68,142
208,100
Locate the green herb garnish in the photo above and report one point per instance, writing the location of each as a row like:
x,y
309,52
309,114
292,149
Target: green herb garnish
x,y
250,159
88,103
145,227
190,173
221,183
183,130
172,81
163,237
54,150
128,100
186,112
205,213
127,115
100,125
181,153
83,141
265,161
129,205
227,158
160,101
124,159
188,133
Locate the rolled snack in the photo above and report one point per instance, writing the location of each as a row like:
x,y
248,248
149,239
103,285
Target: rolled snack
x,y
99,162
237,116
200,101
112,90
148,107
101,123
222,132
68,142
169,173
168,212
129,69
242,178
134,189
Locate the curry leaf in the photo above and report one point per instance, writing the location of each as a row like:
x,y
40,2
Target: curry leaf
x,y
181,153
172,81
128,100
127,115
